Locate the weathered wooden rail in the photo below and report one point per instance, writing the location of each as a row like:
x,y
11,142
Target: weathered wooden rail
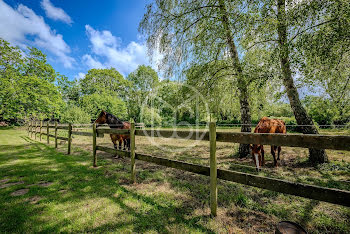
x,y
335,196
291,140
33,129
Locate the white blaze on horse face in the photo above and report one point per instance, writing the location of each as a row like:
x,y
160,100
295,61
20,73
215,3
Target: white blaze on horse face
x,y
256,160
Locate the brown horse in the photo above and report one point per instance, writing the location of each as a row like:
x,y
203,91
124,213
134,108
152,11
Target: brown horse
x,y
267,125
113,122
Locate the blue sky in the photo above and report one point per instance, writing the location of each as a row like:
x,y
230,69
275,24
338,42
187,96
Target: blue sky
x,y
78,35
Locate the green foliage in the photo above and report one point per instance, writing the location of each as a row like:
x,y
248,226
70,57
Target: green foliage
x,y
150,116
320,109
27,87
103,80
142,81
144,78
70,90
75,115
94,103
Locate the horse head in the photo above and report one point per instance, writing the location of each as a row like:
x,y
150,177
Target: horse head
x,y
102,118
107,118
257,157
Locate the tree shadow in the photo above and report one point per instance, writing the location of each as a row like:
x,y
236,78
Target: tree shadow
x,y
72,176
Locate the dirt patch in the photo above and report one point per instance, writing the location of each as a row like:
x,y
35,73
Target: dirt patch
x,y
10,184
62,191
45,184
252,221
19,192
33,200
4,181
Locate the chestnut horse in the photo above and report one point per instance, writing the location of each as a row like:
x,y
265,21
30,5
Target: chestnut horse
x,y
267,125
113,122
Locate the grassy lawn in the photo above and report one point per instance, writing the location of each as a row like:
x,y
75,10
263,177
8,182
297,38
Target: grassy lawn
x,y
44,190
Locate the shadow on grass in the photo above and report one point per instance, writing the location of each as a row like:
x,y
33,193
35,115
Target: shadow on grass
x,y
36,162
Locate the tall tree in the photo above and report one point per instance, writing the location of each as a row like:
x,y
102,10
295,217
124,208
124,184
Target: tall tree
x,y
199,32
325,57
27,85
142,81
301,116
279,25
103,81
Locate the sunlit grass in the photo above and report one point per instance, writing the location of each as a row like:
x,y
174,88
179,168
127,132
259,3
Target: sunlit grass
x,y
67,195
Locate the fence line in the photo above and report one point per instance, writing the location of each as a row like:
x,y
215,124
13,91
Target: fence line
x,y
336,196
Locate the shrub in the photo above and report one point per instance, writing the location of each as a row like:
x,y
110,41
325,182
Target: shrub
x,y
94,103
320,109
74,114
150,116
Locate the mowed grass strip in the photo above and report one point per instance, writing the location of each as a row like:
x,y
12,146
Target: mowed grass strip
x,y
65,194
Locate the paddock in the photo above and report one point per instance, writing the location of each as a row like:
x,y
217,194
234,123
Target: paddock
x,y
230,170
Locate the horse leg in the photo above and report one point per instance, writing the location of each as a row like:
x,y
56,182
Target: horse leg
x,y
113,141
128,141
279,152
262,156
273,152
120,143
125,143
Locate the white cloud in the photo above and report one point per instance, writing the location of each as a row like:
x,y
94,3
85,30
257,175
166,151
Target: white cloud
x,y
91,62
17,24
79,76
107,48
55,13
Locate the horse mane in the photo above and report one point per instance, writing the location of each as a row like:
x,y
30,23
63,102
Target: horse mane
x,y
112,119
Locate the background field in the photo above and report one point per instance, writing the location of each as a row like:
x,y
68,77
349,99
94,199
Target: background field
x,y
64,193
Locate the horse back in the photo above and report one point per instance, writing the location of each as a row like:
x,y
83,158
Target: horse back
x,y
267,125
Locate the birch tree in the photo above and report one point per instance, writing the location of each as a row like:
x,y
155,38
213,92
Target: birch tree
x,y
187,33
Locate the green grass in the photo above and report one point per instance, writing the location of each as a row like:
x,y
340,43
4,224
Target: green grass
x,y
79,198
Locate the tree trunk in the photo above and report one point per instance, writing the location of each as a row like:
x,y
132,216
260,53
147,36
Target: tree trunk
x,y
242,83
315,155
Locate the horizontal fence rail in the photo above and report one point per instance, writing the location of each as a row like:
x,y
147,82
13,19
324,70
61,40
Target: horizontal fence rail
x,y
177,134
335,196
82,133
112,131
58,137
291,140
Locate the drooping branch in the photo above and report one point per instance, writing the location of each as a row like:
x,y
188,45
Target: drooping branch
x,y
260,42
311,27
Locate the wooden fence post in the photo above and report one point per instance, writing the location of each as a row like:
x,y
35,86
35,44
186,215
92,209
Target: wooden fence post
x,y
69,137
213,170
41,126
94,145
132,151
28,129
31,129
36,128
56,134
48,132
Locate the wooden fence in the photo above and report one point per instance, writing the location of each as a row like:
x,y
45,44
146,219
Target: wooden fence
x,y
335,196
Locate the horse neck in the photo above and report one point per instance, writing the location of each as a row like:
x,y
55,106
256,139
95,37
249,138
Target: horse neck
x,y
112,120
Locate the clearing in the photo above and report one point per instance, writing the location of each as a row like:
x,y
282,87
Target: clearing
x,y
44,190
